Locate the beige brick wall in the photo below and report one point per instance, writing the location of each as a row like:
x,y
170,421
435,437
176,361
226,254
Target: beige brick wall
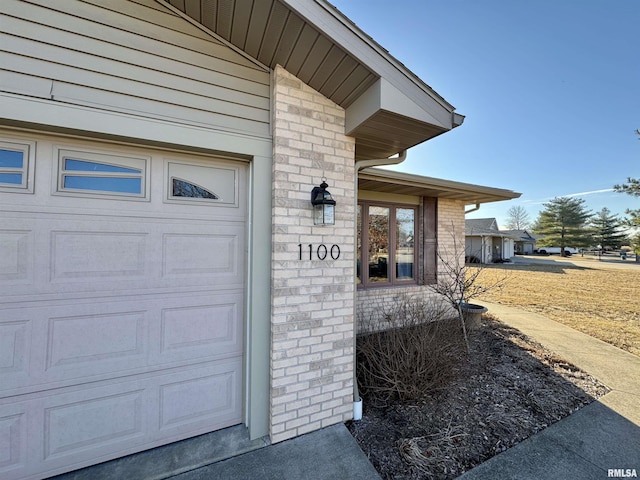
x,y
312,321
451,240
373,303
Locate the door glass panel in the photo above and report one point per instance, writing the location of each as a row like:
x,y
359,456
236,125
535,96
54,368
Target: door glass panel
x,y
11,167
81,165
87,172
182,188
11,159
104,184
405,251
378,244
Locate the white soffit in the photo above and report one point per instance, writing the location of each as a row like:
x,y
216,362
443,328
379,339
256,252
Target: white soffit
x,y
318,44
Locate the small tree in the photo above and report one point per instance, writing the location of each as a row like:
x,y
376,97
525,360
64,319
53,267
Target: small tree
x,y
458,283
563,222
518,218
606,229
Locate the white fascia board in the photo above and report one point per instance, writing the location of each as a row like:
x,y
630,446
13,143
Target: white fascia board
x,y
382,95
84,120
347,35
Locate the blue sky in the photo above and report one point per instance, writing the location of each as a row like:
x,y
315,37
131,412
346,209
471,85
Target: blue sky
x,y
550,90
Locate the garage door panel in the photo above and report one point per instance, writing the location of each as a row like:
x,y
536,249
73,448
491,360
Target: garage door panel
x,y
198,331
210,396
91,255
121,317
61,345
15,334
86,421
101,256
73,342
16,261
103,340
13,439
69,426
201,254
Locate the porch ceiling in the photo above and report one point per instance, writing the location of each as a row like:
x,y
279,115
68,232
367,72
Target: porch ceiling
x,y
388,108
387,181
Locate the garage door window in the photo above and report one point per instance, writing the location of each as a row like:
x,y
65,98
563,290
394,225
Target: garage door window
x,y
182,188
201,183
15,167
101,174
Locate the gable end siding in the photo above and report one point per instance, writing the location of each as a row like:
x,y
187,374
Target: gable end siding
x,y
137,59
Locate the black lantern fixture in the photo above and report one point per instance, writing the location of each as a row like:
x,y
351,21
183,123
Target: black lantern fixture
x,y
323,205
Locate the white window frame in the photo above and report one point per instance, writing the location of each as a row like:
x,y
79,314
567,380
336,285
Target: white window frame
x,y
118,159
28,150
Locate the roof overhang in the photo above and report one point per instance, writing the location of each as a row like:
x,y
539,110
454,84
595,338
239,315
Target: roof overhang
x,y
387,181
388,108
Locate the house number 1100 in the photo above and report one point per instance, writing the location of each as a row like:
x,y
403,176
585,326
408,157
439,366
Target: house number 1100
x,y
321,252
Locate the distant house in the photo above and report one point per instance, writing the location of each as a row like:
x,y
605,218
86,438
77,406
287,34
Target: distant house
x,y
524,241
485,243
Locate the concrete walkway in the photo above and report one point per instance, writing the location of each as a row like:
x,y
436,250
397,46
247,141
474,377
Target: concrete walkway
x,y
599,441
327,454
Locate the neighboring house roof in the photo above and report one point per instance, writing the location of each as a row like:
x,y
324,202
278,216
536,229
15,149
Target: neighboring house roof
x,y
481,225
388,181
388,108
484,227
522,235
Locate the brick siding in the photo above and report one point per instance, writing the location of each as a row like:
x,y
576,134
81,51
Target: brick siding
x,y
312,321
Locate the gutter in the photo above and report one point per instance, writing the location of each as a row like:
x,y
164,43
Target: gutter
x,y
361,164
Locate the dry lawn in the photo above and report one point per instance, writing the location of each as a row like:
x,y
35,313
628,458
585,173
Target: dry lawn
x,y
592,297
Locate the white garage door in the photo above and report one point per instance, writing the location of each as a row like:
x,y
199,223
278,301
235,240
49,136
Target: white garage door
x,y
121,300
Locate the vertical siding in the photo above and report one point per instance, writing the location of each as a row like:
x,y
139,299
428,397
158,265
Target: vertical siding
x,y
130,56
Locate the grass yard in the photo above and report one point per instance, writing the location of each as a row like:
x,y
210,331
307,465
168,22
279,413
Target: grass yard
x,y
600,299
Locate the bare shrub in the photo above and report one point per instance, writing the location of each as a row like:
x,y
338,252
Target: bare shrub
x,y
406,348
458,284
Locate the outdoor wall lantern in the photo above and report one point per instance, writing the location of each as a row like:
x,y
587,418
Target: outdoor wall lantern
x,y
323,205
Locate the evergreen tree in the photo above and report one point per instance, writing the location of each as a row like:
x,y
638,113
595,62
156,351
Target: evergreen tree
x,y
606,229
632,187
563,223
517,218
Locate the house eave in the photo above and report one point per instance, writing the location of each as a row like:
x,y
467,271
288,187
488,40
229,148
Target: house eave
x,y
387,181
314,41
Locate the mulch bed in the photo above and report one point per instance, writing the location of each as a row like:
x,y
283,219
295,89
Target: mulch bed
x,y
503,391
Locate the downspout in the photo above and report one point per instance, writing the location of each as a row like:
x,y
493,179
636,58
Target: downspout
x,y
474,209
360,164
